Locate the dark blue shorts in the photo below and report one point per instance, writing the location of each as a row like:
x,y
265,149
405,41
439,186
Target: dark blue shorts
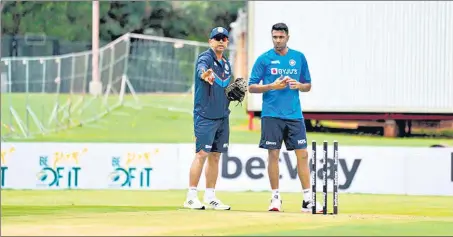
x,y
275,130
212,135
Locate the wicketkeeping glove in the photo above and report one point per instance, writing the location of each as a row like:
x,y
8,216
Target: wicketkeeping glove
x,y
236,90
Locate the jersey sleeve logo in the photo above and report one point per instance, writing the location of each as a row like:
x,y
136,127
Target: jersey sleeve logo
x,y
292,62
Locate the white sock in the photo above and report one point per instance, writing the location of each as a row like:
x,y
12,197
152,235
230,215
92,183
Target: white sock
x,y
209,194
307,194
275,194
192,193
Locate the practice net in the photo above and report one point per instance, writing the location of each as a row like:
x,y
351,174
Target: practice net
x,y
42,95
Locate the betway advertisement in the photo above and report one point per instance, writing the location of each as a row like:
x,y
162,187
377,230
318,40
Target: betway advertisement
x,y
376,170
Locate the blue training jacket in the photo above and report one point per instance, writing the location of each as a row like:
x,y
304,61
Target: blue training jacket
x,y
210,100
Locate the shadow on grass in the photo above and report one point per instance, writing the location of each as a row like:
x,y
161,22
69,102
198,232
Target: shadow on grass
x,y
10,211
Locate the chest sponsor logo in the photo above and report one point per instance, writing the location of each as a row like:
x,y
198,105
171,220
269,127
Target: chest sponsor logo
x,y
284,71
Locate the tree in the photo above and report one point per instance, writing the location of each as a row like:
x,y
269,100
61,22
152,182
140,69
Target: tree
x,y
204,16
65,20
70,20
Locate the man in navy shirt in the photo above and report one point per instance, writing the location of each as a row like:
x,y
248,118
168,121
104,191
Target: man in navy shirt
x,y
211,119
283,73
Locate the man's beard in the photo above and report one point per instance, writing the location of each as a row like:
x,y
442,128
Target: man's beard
x,y
280,48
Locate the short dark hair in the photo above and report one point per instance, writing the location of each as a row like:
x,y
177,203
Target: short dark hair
x,y
280,27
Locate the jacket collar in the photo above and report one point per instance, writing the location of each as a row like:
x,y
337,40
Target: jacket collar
x,y
212,53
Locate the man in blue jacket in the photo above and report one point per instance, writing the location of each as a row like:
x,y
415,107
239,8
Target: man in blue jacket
x,y
211,119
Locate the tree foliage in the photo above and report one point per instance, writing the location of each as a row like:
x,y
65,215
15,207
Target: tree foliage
x,y
72,20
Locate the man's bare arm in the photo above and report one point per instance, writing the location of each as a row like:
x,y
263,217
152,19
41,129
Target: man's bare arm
x,y
256,88
305,87
278,84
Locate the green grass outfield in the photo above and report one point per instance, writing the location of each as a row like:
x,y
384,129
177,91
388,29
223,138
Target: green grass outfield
x,y
130,213
166,119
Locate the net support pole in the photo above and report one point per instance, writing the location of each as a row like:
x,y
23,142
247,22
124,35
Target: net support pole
x,y
1,13
95,85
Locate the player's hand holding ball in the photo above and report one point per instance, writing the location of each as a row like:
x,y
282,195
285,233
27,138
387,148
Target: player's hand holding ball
x,y
293,84
279,83
208,76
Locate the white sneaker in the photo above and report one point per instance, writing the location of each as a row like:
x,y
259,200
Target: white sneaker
x,y
216,204
194,203
307,205
276,204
